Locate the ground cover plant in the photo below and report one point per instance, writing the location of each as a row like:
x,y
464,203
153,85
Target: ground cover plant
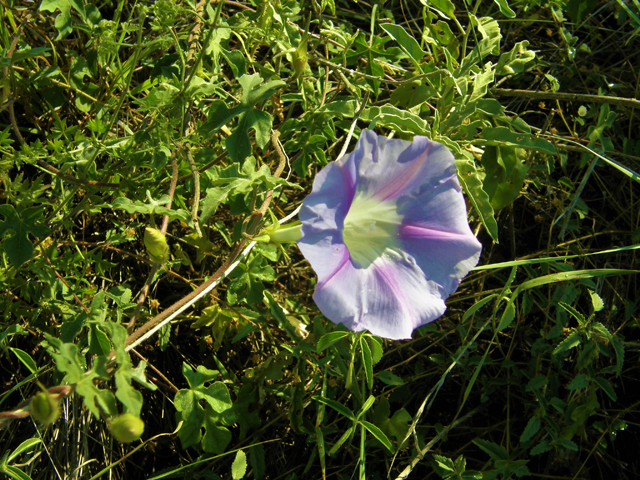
x,y
151,327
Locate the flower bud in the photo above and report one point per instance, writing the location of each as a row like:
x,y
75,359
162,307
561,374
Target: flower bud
x,y
299,60
44,408
126,428
156,244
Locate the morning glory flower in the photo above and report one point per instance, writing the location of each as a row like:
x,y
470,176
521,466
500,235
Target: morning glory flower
x,y
385,229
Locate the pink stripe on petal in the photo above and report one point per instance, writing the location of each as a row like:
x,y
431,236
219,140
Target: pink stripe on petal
x,y
426,233
400,183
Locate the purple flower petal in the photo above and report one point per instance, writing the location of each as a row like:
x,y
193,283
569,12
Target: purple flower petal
x,y
390,298
385,229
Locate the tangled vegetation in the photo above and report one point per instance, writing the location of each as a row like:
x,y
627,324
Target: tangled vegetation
x,y
144,334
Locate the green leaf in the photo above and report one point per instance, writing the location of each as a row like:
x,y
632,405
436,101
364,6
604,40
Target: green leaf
x,y
444,7
23,447
573,312
239,143
580,9
607,388
407,43
329,339
508,316
495,451
389,378
277,311
128,396
63,20
336,406
472,186
504,136
367,360
542,447
505,9
66,357
477,306
505,176
378,434
618,347
256,460
216,438
153,207
533,426
392,117
239,466
516,60
18,247
481,83
596,301
15,473
214,197
25,358
578,383
573,340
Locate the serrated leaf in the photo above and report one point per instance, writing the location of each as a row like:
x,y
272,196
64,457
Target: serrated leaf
x,y
606,388
573,340
533,426
19,248
542,447
495,451
578,383
573,312
239,466
596,301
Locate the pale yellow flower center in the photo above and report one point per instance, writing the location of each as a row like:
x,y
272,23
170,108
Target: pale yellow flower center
x,y
370,229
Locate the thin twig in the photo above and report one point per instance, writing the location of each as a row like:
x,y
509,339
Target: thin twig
x,y
158,372
196,188
571,97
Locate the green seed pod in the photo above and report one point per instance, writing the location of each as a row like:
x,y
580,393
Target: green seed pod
x,y
156,244
44,408
126,428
